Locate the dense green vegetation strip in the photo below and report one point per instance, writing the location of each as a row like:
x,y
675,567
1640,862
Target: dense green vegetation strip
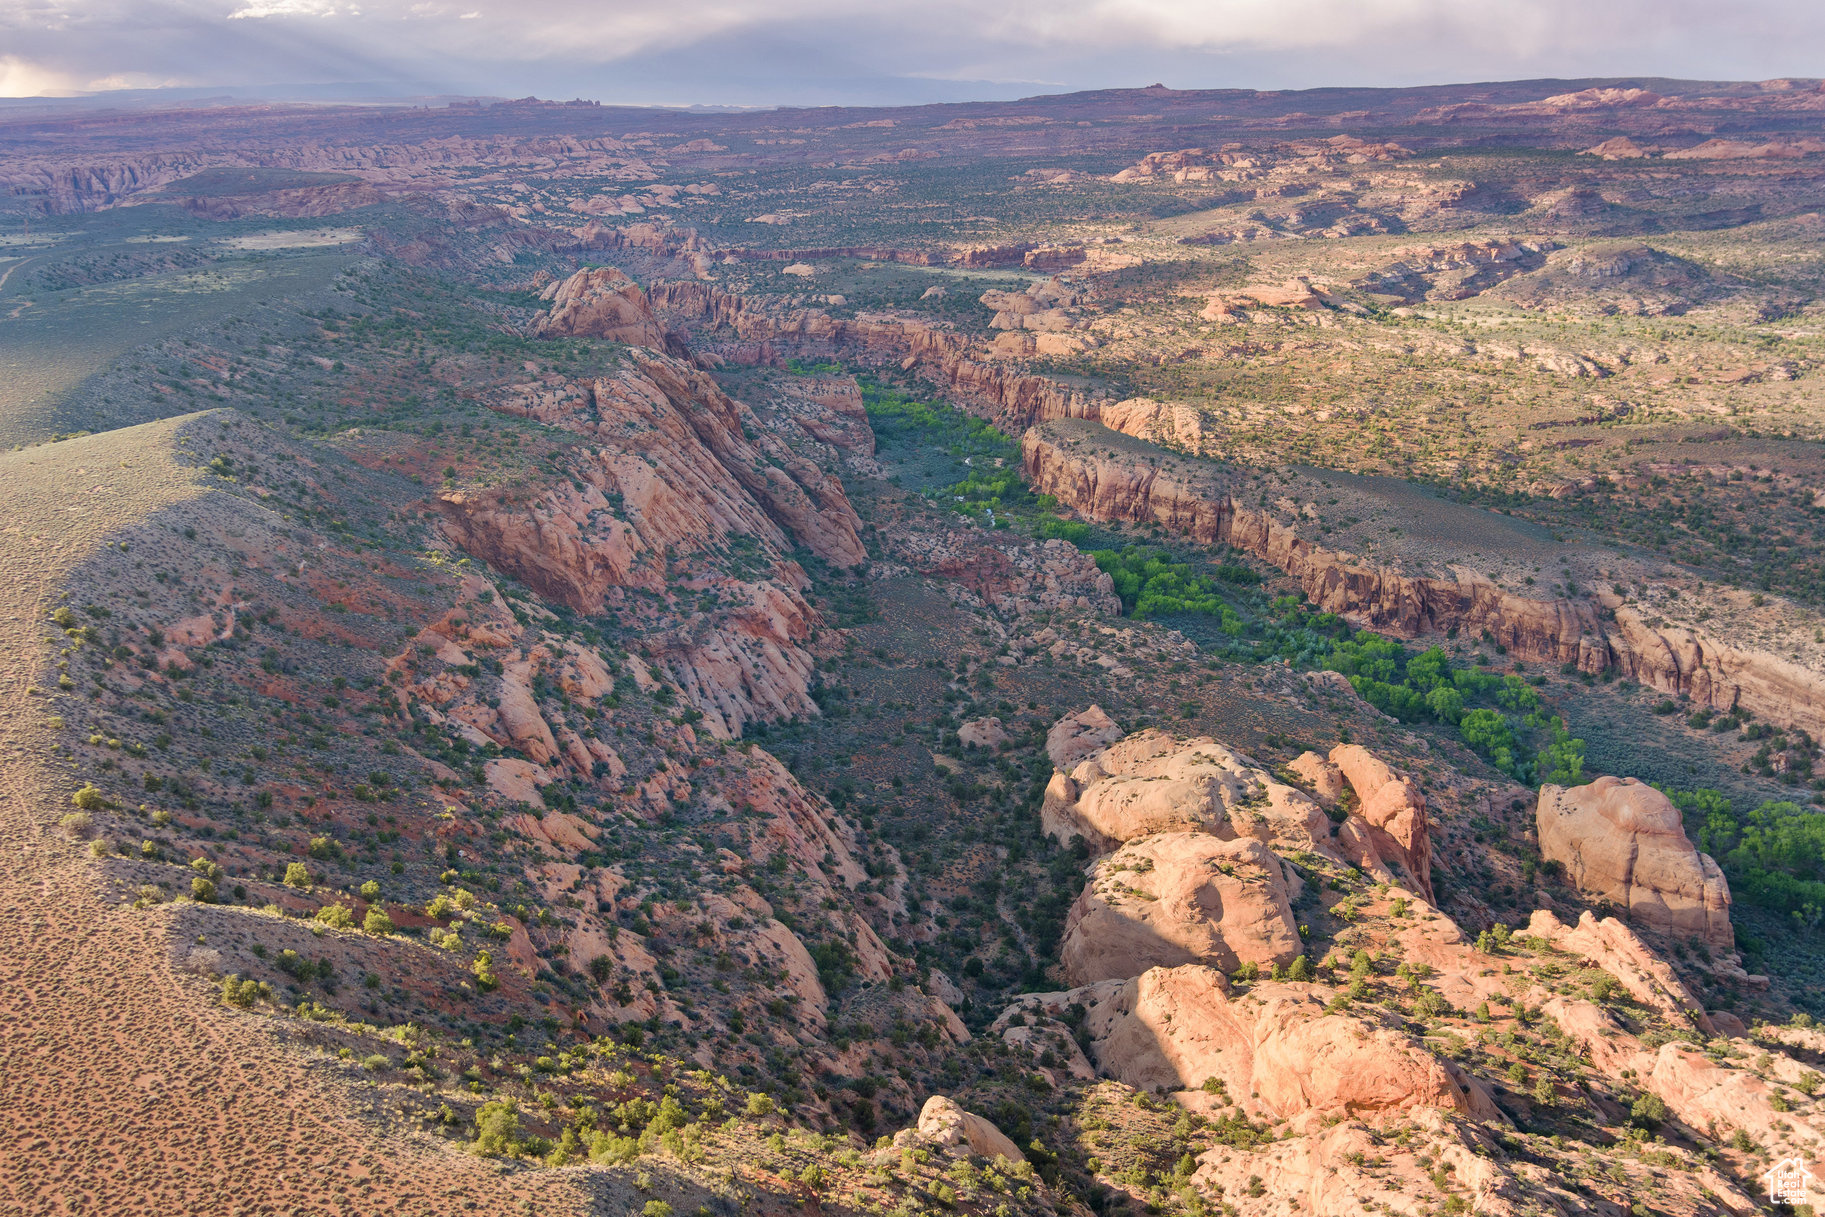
x,y
1774,856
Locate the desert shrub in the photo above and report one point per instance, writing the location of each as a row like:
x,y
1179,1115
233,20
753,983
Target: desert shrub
x,y
483,968
244,993
202,890
1647,1112
77,826
203,961
760,1105
336,917
89,798
1430,1003
497,1129
611,1150
370,891
376,921
656,1208
297,875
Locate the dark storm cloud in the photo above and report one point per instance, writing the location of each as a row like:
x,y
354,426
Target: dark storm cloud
x,y
826,51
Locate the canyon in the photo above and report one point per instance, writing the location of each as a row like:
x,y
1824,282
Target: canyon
x,y
1147,651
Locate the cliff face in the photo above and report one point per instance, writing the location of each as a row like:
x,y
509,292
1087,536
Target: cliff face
x,y
1102,485
603,303
670,475
1013,400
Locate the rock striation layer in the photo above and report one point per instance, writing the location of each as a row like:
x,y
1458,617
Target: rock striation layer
x,y
1102,481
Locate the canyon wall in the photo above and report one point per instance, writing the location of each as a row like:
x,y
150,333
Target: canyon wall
x,y
1103,486
1009,398
1592,635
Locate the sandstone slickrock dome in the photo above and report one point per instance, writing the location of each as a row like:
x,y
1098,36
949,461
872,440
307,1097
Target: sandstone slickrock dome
x,y
1276,1049
1622,841
601,303
1190,905
1180,897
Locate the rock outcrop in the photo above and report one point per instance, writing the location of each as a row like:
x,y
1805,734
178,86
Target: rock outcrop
x,y
1102,481
1076,736
1015,577
983,733
1151,783
1342,1171
1612,946
1622,841
1394,808
946,1126
1276,1051
600,302
1012,398
1179,898
670,472
1324,778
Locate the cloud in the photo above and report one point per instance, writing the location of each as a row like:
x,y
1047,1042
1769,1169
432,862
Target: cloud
x,y
819,51
260,9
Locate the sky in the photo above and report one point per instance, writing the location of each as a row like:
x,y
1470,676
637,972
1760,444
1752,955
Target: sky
x,y
872,52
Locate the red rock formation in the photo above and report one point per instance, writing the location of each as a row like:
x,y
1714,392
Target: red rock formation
x,y
1275,1048
1011,575
600,303
1100,485
1621,840
1013,399
1179,898
946,1126
1394,808
1076,736
673,470
304,202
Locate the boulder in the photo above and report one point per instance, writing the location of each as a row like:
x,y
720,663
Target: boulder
x,y
947,1126
983,733
1622,841
1076,736
1180,898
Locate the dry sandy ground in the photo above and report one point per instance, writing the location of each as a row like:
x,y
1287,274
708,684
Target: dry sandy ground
x,y
313,239
126,1088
